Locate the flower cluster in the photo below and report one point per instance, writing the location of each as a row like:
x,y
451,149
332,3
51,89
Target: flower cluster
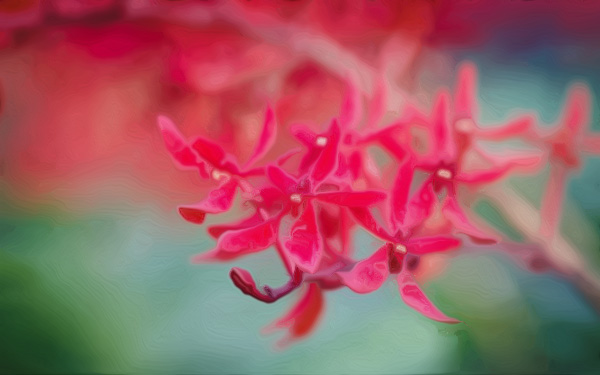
x,y
308,202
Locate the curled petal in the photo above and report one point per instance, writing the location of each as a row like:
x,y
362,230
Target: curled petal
x,y
178,147
426,245
457,217
328,159
352,198
245,282
219,200
304,244
267,138
413,296
236,243
281,179
368,274
302,318
466,91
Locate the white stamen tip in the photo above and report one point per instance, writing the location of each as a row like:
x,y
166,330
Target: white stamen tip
x,y
444,173
400,248
217,175
465,125
296,198
321,141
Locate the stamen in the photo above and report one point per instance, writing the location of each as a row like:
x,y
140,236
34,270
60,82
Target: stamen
x,y
400,248
296,198
444,173
217,174
321,141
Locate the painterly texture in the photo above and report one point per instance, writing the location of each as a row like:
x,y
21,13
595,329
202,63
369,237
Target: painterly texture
x,y
299,187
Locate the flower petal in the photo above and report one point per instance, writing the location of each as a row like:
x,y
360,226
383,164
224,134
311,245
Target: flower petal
x,y
368,274
266,140
577,109
302,317
216,231
413,296
500,166
236,243
178,147
420,205
281,179
400,191
552,201
351,198
441,133
466,92
514,128
219,200
434,244
303,243
328,159
350,113
368,222
462,224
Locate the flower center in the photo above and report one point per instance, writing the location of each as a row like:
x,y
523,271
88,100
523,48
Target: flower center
x,y
465,125
217,174
321,141
444,173
296,198
399,248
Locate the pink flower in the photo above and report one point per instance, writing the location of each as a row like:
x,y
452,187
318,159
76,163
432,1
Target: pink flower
x,y
565,143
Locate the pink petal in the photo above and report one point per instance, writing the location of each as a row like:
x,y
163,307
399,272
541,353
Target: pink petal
x,y
413,296
245,282
304,244
514,128
378,106
327,161
308,138
462,224
219,200
400,191
369,274
393,138
442,139
500,167
209,151
178,147
367,221
420,206
302,318
267,138
351,199
350,113
281,179
236,243
552,201
466,92
216,231
426,245
577,108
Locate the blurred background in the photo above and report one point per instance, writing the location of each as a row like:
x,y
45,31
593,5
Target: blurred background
x,y
94,259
